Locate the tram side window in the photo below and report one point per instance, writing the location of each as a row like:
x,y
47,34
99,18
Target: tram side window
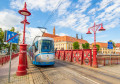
x,y
36,46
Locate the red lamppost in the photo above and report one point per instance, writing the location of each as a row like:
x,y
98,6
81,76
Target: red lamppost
x,y
94,29
23,47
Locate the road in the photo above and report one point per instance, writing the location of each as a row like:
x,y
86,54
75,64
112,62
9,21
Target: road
x,y
69,73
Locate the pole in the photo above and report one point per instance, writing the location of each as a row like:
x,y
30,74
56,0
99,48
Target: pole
x,y
24,31
10,62
110,57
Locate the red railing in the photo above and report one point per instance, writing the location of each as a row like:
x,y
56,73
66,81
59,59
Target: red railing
x,y
81,56
5,58
108,61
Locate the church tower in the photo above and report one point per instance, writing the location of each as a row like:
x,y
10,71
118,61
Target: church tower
x,y
54,31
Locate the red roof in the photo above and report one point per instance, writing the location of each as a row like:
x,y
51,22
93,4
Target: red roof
x,y
69,39
49,35
64,38
101,44
117,44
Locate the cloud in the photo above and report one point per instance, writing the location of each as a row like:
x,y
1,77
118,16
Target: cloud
x,y
77,19
9,19
31,33
43,5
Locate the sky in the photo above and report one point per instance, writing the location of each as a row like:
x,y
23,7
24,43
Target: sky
x,y
70,17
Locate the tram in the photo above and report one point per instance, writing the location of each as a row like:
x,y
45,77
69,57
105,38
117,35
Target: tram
x,y
42,51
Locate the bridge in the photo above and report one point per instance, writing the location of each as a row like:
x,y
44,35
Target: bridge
x,y
71,66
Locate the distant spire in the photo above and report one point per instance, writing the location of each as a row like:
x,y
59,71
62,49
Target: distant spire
x,y
81,36
54,30
76,36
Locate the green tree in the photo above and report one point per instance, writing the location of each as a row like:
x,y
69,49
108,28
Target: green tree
x,y
98,47
75,45
86,46
14,46
1,38
112,42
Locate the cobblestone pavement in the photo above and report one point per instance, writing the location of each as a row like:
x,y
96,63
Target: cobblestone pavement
x,y
4,70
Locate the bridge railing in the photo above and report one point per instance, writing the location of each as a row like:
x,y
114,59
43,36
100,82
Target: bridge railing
x,y
84,56
106,60
5,58
81,56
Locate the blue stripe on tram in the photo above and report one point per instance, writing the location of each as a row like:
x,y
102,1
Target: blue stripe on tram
x,y
43,63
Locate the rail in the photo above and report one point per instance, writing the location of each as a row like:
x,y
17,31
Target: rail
x,y
5,58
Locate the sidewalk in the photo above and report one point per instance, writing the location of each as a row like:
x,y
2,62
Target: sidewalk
x,y
4,71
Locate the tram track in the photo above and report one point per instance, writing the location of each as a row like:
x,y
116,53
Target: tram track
x,y
44,75
67,65
67,76
100,72
72,72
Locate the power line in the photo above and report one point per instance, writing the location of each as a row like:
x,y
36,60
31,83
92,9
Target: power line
x,y
52,13
57,6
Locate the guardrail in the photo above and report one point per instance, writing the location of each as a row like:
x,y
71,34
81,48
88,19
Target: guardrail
x,y
81,56
108,61
5,58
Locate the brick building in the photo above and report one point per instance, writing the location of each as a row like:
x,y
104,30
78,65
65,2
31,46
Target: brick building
x,y
64,42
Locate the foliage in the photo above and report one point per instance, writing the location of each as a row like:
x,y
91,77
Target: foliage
x,y
1,39
86,46
112,42
75,45
98,47
4,46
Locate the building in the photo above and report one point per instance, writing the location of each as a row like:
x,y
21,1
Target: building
x,y
104,49
64,42
117,45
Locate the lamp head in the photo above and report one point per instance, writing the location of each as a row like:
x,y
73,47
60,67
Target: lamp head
x,y
88,32
24,11
101,29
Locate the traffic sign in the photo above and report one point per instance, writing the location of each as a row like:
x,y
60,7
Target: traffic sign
x,y
110,45
11,37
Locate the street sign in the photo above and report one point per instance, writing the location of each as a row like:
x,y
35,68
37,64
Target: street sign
x,y
11,37
110,45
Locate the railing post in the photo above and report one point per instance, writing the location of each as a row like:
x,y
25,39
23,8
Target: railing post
x,y
71,56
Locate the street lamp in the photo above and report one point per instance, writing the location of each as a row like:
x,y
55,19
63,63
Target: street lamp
x,y
94,29
23,47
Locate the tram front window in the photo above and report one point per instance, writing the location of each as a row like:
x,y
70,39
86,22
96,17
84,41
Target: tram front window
x,y
47,46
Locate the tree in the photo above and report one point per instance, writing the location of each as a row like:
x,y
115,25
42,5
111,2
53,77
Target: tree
x,y
1,38
75,45
86,46
14,46
98,47
4,46
112,42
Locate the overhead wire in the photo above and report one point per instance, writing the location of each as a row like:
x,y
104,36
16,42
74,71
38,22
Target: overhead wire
x,y
50,16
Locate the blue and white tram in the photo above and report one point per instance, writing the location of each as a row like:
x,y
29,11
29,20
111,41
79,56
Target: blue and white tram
x,y
42,51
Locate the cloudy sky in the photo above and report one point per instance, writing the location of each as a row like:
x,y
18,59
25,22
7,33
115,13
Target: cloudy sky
x,y
68,16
